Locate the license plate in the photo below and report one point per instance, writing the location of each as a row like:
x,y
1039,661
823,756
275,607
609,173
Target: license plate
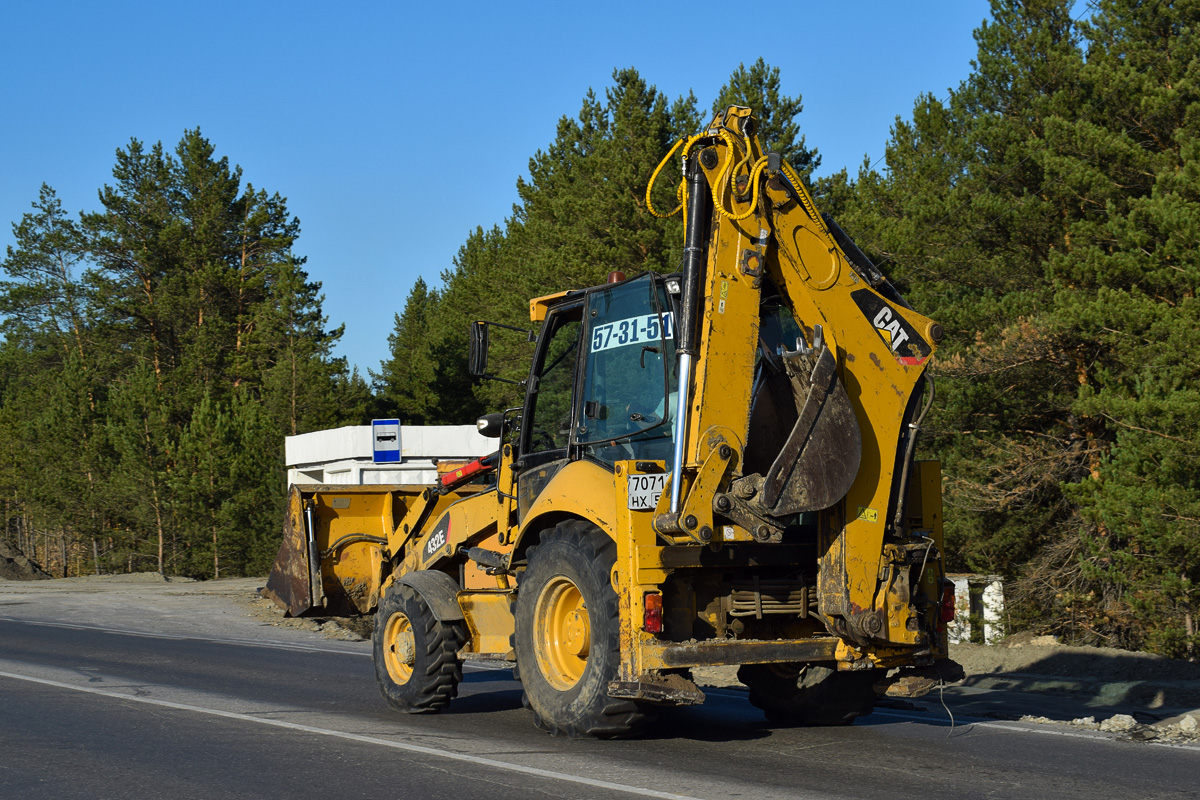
x,y
645,490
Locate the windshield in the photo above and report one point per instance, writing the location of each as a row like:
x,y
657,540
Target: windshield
x,y
626,407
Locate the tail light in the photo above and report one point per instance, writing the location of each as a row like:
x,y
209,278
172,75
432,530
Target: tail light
x,y
947,614
652,617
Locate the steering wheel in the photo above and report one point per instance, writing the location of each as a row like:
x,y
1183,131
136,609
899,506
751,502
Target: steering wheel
x,y
540,439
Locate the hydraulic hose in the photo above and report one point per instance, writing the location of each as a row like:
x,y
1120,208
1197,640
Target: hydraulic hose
x,y
906,464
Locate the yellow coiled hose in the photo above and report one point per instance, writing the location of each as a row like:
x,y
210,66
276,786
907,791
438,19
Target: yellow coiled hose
x,y
732,171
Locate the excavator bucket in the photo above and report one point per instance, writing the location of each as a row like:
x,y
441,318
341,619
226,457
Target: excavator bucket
x,y
295,580
820,459
330,560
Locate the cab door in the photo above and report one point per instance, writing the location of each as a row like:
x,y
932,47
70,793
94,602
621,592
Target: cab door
x,y
550,403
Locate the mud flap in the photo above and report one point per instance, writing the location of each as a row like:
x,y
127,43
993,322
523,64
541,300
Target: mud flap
x,y
295,580
913,682
667,690
820,459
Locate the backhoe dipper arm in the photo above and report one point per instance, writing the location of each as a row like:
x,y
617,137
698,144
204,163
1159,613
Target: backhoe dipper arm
x,y
852,375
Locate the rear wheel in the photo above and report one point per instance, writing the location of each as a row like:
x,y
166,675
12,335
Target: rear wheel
x,y
809,694
416,656
567,640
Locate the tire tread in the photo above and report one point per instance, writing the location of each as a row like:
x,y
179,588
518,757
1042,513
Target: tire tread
x,y
432,687
606,717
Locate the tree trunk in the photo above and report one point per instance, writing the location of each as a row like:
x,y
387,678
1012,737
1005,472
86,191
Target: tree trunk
x,y
159,524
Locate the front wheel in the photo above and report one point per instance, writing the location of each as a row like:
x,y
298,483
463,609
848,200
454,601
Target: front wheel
x,y
809,694
416,656
567,639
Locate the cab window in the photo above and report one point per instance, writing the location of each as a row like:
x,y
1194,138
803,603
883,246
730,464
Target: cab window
x,y
548,419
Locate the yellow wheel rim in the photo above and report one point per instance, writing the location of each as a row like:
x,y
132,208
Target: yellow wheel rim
x,y
562,633
399,648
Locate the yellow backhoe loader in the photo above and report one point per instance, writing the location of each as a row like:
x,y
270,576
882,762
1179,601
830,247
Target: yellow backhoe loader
x,y
713,467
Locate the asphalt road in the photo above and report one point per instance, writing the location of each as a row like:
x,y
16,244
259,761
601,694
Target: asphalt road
x,y
92,712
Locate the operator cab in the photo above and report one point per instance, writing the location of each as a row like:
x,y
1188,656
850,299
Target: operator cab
x,y
602,378
602,382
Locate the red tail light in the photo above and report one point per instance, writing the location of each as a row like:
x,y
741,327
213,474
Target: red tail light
x,y
947,602
652,620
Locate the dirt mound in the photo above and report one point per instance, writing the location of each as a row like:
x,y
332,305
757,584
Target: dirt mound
x,y
1043,655
15,566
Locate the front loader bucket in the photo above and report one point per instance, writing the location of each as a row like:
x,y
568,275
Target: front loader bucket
x,y
295,580
333,556
819,461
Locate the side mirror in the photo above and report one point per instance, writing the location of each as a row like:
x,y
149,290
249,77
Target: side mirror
x,y
478,350
491,425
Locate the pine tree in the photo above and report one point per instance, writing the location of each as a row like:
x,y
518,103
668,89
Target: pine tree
x,y
163,347
132,244
44,294
298,369
255,473
201,489
1039,215
406,382
481,287
146,444
1128,286
55,388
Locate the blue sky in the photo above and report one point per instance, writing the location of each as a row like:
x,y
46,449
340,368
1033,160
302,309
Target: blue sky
x,y
394,129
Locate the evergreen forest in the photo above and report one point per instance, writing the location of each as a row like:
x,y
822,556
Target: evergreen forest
x,y
1045,211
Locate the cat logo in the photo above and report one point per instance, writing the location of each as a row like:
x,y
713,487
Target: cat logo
x,y
887,322
905,344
